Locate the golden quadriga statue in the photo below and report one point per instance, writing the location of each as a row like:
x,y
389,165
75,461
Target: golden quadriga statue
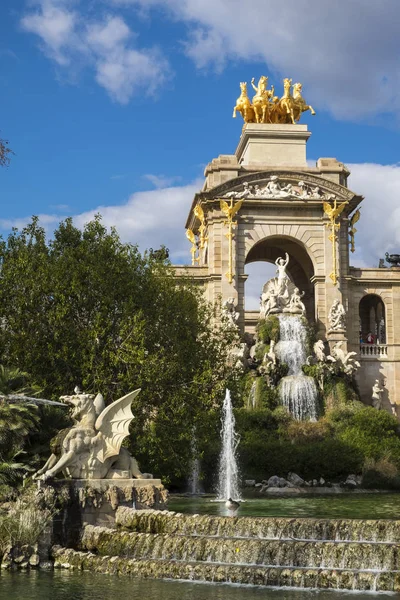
x,y
268,108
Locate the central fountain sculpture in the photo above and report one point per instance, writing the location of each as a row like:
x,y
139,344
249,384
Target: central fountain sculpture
x,y
280,298
280,361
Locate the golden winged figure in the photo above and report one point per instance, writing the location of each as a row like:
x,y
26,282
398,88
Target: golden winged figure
x,y
230,210
190,236
333,211
355,218
199,212
353,230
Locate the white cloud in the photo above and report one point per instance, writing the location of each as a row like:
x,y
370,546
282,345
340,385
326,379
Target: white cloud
x,y
345,54
156,217
105,45
149,219
55,25
161,181
379,226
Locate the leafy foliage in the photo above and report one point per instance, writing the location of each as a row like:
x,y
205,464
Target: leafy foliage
x,y
268,329
85,308
381,473
16,422
5,153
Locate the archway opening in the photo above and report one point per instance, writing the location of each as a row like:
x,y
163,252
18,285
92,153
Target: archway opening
x,y
372,320
300,269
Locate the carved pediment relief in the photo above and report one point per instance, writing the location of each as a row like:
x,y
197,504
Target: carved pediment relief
x,y
281,185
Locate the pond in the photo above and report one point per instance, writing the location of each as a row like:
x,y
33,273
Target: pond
x,y
87,586
346,506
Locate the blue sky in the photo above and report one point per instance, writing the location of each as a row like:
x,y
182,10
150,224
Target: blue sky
x,y
117,105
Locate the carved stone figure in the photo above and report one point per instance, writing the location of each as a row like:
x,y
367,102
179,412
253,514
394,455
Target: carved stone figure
x,y
377,392
281,264
229,313
349,365
274,188
319,350
337,316
241,356
91,448
244,193
269,303
296,306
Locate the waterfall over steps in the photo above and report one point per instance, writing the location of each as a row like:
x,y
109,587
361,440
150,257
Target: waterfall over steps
x,y
303,553
297,392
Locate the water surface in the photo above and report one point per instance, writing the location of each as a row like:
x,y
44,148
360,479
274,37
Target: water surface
x,y
87,586
347,506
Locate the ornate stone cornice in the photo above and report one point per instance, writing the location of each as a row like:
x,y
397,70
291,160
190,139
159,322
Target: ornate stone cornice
x,y
234,187
290,176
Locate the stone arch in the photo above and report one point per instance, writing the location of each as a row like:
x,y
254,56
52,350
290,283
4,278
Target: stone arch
x,y
372,315
307,237
300,269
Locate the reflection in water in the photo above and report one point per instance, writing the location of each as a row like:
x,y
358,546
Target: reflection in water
x,y
86,586
346,506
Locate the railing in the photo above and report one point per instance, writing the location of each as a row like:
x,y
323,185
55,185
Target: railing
x,y
373,349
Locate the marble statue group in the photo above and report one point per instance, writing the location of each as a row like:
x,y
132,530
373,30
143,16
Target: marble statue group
x,y
279,295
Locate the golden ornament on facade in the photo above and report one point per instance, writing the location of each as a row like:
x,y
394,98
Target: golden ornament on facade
x,y
230,211
199,213
333,212
193,250
265,107
353,230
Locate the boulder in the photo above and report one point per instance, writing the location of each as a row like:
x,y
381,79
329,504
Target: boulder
x,y
273,481
351,481
322,481
250,482
282,482
296,480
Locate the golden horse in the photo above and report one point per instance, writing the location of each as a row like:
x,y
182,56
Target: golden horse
x,y
261,100
300,104
243,105
287,104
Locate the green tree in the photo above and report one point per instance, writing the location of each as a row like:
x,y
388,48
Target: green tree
x,y
85,308
5,153
17,421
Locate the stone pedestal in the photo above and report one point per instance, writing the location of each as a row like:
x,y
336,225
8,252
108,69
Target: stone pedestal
x,y
337,335
95,501
273,145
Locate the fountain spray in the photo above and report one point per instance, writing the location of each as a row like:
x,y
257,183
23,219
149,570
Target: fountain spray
x,y
228,484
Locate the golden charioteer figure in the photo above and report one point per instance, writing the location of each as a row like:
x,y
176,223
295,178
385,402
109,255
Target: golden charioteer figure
x,y
268,108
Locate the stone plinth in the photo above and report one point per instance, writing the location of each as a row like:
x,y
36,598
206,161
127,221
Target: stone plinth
x,y
95,501
273,145
337,335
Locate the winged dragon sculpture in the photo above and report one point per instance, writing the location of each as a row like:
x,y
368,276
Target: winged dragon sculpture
x,y
91,448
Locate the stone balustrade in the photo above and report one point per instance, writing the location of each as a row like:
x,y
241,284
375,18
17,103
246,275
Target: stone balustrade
x,y
375,350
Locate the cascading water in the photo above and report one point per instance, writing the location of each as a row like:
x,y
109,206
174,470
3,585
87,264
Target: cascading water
x,y
297,392
228,483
